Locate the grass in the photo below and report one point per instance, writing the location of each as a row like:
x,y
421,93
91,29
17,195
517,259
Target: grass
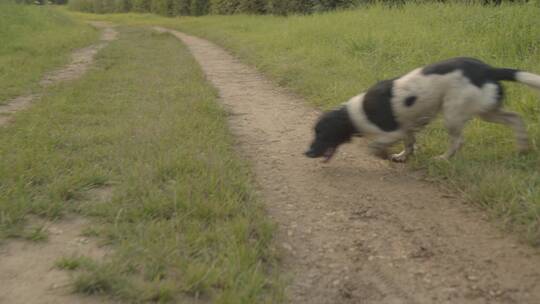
x,y
329,57
74,263
35,39
182,220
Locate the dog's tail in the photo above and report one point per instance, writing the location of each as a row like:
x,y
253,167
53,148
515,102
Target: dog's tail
x,y
527,78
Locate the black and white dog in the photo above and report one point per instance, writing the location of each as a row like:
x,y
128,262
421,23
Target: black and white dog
x,y
393,110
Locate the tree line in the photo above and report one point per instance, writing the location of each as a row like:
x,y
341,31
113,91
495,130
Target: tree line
x,y
222,7
226,7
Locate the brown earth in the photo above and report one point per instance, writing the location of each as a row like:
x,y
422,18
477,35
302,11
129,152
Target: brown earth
x,y
27,271
360,230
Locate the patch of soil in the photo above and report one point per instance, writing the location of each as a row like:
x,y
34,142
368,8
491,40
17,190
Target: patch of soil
x,y
81,60
360,230
27,273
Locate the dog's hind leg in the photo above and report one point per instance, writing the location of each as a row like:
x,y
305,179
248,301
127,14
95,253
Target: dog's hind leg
x,y
512,120
454,124
409,141
456,141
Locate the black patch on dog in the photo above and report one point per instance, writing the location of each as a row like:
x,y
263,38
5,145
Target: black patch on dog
x,y
410,101
332,129
377,105
500,93
504,74
475,70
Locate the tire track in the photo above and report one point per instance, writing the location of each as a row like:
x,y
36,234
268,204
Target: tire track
x,y
81,60
27,272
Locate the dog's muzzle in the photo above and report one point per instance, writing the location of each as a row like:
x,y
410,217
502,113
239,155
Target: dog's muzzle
x,y
310,153
327,155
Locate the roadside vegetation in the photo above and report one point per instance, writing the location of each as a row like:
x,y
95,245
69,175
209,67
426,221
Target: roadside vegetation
x,y
329,57
34,40
181,218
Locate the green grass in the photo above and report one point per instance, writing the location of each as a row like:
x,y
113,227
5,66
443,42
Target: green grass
x,y
74,263
182,222
329,57
34,40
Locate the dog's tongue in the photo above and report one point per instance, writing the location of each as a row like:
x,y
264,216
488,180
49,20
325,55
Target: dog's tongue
x,y
328,154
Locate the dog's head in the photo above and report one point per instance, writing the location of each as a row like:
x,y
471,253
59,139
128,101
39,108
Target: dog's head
x,y
331,130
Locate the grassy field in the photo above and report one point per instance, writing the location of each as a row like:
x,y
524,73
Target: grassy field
x,y
182,219
34,40
330,57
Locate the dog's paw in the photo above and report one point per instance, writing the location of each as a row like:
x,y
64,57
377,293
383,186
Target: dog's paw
x,y
398,158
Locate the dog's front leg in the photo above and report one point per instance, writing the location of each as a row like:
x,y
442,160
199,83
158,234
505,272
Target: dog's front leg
x,y
401,157
379,149
380,144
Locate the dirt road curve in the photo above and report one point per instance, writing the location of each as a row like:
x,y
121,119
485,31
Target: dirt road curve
x,y
81,60
356,231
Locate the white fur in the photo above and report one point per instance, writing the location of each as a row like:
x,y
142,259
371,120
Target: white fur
x,y
452,94
529,79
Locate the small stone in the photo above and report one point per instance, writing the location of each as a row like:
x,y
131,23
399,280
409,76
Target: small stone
x,y
336,283
287,246
82,241
56,231
472,278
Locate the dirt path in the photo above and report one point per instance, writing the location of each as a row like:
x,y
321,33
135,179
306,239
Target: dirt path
x,y
355,230
81,60
27,273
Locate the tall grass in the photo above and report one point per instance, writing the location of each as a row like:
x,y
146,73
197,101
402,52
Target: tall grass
x,y
183,222
34,40
329,57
